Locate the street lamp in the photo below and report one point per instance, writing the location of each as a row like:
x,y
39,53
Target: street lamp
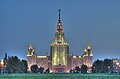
x,y
109,70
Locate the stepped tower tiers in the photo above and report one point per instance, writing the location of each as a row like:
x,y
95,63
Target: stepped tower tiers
x,y
59,49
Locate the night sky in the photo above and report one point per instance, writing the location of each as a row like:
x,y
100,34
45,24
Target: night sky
x,y
24,22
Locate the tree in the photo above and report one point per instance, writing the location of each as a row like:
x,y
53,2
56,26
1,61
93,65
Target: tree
x,y
102,66
24,66
34,68
108,65
93,69
41,69
97,66
5,59
0,70
84,69
13,65
77,69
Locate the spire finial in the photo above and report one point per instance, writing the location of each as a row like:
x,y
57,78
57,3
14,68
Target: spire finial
x,y
59,16
59,26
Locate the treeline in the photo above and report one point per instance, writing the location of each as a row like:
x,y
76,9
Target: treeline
x,y
99,66
103,66
14,65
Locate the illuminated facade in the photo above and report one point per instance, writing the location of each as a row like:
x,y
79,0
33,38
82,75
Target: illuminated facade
x,y
87,56
85,59
59,49
59,59
32,58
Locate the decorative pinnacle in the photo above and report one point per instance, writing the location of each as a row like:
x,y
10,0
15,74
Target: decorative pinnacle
x,y
89,46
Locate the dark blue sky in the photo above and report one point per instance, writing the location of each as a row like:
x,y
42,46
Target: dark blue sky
x,y
84,21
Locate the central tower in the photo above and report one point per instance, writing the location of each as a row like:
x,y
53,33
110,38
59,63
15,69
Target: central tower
x,y
59,49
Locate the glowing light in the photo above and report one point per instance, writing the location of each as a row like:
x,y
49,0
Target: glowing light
x,y
117,63
2,61
76,56
91,54
41,56
85,50
50,71
86,55
108,66
29,55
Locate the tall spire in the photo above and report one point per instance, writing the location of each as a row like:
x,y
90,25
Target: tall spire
x,y
59,26
59,20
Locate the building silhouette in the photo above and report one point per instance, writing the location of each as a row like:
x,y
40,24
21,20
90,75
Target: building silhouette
x,y
60,59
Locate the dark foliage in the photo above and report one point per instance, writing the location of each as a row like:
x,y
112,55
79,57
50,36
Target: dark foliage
x,y
84,69
102,66
77,69
14,65
34,68
24,66
41,69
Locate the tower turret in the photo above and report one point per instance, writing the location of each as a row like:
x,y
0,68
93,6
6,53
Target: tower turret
x,y
88,56
31,56
31,50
